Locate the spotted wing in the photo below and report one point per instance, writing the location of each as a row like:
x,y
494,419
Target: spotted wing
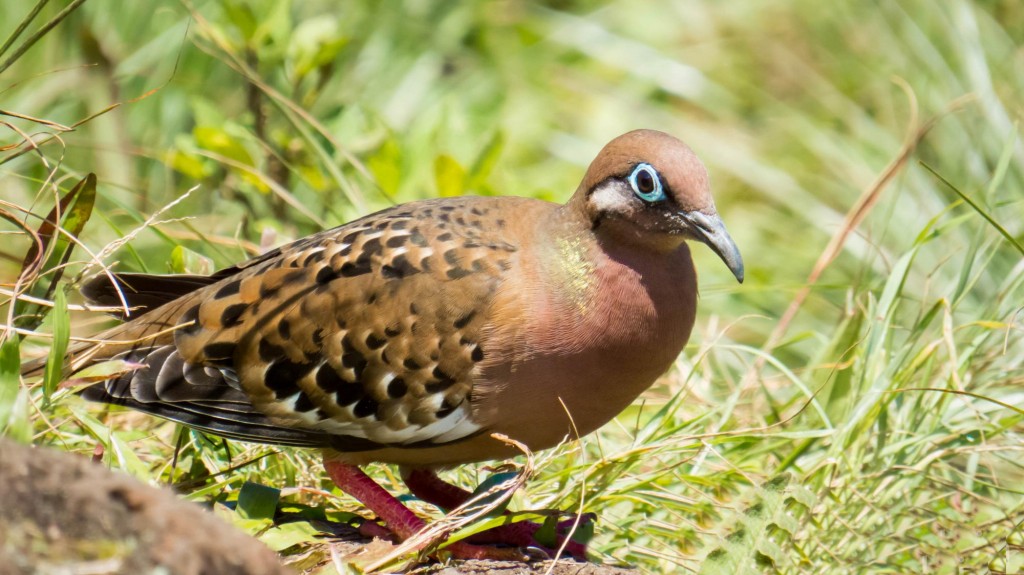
x,y
357,337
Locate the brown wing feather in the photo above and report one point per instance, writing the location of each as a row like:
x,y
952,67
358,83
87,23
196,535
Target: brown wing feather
x,y
370,331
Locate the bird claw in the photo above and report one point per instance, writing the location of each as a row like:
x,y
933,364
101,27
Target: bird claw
x,y
481,546
523,534
459,550
469,551
537,553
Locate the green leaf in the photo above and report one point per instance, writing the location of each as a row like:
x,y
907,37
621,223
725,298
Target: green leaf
x,y
19,426
242,16
449,176
10,379
186,261
280,537
843,352
61,322
127,459
547,534
90,424
307,512
584,532
386,166
221,142
492,483
1004,162
485,162
74,210
894,285
257,501
315,42
190,165
114,443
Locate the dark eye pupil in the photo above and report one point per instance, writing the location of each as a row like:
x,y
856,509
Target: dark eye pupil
x,y
645,182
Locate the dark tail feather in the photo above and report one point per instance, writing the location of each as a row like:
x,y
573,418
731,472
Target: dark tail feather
x,y
150,291
142,292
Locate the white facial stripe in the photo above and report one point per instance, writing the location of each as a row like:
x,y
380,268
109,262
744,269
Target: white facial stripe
x,y
608,198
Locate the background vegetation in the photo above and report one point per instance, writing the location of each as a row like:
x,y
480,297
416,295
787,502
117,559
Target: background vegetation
x,y
855,406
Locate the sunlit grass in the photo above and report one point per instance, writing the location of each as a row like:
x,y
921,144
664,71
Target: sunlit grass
x,y
880,430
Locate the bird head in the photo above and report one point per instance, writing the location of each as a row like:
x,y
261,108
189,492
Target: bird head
x,y
648,187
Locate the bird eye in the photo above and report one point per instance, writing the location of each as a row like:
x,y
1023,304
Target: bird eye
x,y
646,183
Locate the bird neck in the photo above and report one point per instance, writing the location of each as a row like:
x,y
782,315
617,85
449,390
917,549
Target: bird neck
x,y
589,324
601,275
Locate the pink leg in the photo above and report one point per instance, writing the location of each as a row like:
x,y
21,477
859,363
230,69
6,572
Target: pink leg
x,y
400,520
426,485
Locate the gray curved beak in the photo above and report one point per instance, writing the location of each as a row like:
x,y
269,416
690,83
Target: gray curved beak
x,y
711,230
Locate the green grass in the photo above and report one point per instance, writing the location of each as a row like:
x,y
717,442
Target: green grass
x,y
880,430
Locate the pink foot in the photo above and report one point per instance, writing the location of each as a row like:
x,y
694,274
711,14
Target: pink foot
x,y
402,522
426,485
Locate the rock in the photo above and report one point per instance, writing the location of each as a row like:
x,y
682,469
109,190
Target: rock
x,y
61,513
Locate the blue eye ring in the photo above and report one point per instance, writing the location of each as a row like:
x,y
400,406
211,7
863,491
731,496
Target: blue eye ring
x,y
646,183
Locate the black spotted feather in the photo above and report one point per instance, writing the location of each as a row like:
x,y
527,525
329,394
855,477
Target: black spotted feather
x,y
362,336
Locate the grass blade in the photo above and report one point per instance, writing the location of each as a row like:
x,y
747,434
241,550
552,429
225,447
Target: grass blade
x,y
10,380
64,222
31,40
22,26
981,211
61,335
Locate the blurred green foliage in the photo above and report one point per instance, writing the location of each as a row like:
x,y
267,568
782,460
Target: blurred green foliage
x,y
893,396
